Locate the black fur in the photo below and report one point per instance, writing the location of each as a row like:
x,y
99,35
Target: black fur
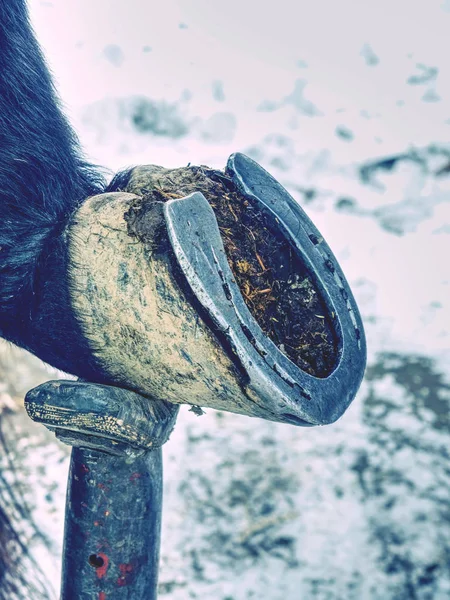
x,y
43,179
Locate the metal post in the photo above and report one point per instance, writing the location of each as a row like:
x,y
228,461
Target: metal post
x,y
114,495
112,528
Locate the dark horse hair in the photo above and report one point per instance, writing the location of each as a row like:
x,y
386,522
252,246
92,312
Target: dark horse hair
x,y
43,179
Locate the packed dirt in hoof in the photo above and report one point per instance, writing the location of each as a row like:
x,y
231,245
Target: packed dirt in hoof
x,y
273,280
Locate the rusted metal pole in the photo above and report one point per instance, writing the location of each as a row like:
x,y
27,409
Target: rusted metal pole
x,y
112,527
114,494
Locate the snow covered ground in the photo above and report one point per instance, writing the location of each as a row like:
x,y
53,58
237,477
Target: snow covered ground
x,y
348,105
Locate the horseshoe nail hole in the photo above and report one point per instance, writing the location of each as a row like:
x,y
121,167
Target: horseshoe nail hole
x,y
96,561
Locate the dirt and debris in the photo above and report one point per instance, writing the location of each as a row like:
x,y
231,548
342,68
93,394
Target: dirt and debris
x,y
273,280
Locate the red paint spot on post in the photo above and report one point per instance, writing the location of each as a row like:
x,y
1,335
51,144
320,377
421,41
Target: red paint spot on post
x,y
101,571
85,469
125,570
135,476
101,596
99,523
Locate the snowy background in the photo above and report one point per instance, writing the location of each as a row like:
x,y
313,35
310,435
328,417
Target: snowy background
x,y
348,104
